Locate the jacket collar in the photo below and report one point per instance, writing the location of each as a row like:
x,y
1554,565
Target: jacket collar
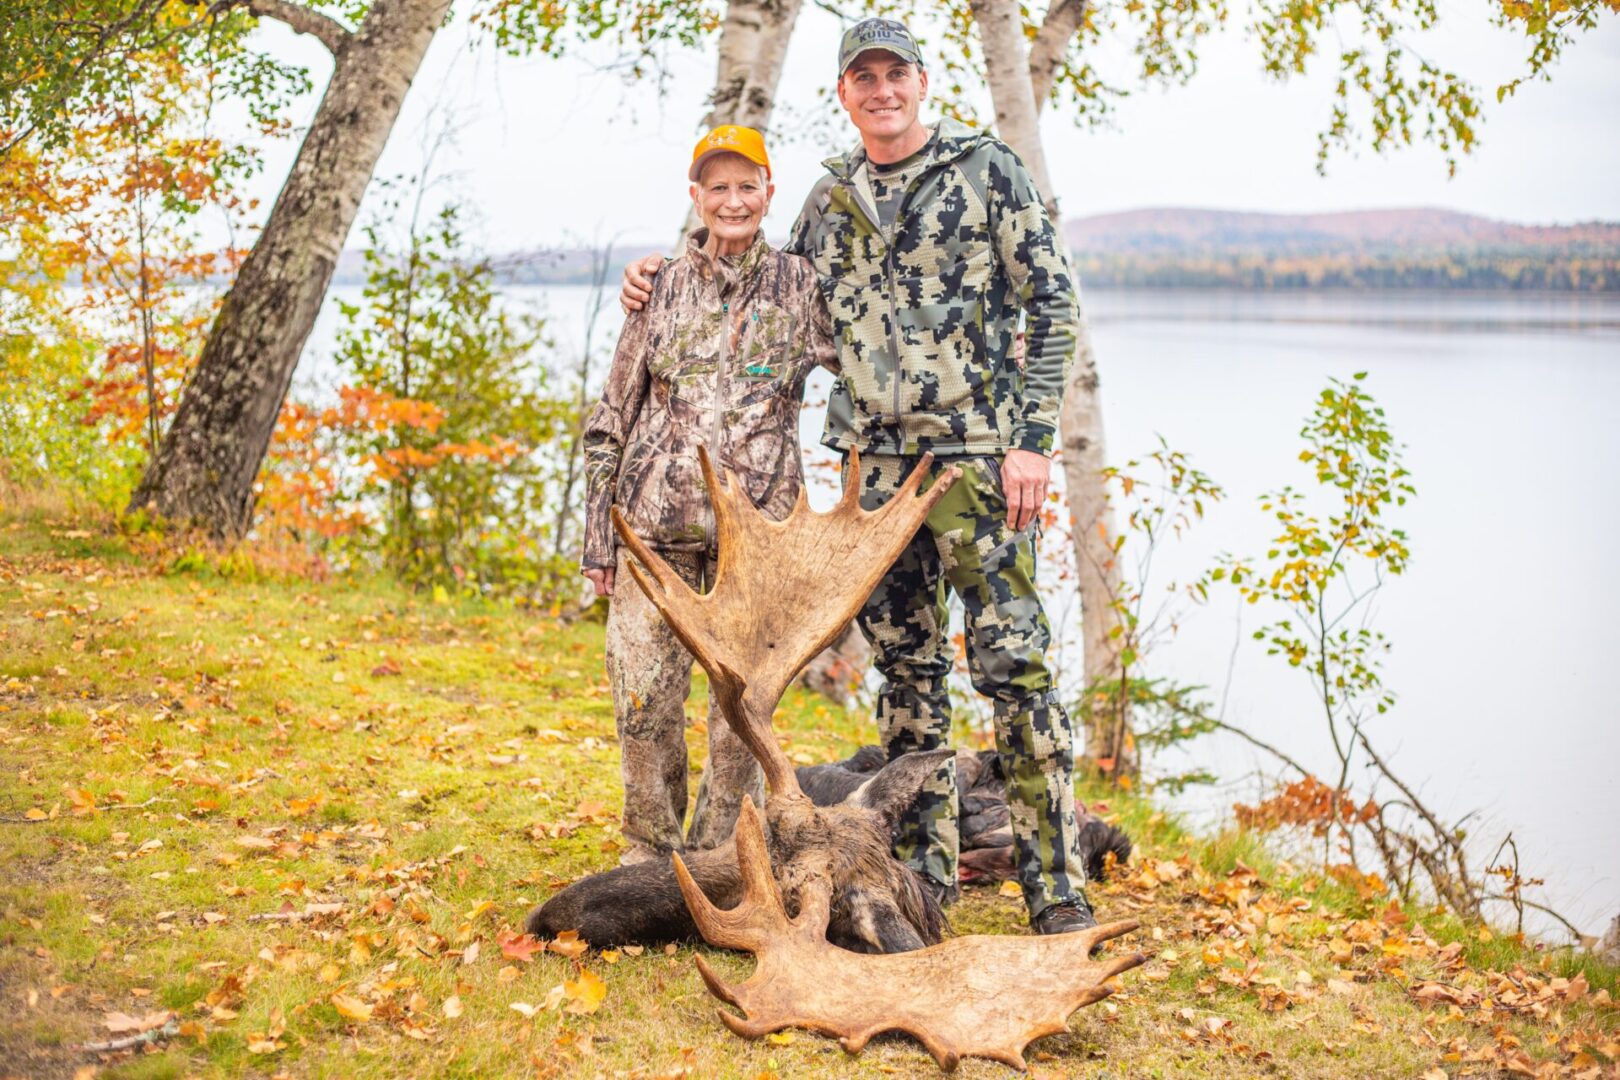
x,y
955,139
728,272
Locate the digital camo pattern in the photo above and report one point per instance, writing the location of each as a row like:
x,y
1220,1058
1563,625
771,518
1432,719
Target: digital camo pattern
x,y
717,358
650,672
966,546
926,324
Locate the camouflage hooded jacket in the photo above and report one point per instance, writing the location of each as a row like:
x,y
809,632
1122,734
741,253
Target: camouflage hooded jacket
x,y
717,358
927,320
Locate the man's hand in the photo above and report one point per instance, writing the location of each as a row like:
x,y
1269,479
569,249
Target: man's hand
x,y
1024,475
637,288
601,579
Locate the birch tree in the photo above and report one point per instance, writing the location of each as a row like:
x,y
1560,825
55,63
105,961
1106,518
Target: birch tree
x,y
1386,96
205,468
753,45
1020,79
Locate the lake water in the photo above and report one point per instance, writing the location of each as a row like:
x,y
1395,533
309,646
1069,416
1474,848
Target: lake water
x,y
1504,627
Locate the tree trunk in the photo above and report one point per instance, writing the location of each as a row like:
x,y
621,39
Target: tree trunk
x,y
753,45
1018,87
204,471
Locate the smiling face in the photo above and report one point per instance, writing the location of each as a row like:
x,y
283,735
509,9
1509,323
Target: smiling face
x,y
882,92
732,197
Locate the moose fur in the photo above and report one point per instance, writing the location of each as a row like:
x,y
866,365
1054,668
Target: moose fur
x,y
985,822
642,903
878,904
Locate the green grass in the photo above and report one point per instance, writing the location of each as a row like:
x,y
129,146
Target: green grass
x,y
283,763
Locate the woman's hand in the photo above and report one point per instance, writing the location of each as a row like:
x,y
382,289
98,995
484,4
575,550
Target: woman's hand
x,y
636,291
601,579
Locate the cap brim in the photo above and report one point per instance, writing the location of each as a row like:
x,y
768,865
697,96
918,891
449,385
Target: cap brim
x,y
913,58
697,164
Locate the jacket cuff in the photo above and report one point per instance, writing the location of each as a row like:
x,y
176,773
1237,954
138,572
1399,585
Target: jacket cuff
x,y
1038,438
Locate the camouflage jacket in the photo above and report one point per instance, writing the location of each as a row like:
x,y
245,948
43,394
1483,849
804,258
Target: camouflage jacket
x,y
717,358
926,324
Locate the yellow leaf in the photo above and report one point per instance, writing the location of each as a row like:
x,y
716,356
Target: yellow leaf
x,y
452,1006
351,1008
585,995
779,1038
567,944
610,956
35,814
1010,888
329,973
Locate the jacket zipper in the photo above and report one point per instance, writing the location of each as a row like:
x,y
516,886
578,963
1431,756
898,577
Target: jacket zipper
x,y
894,341
720,380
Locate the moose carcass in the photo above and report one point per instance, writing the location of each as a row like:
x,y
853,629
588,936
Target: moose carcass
x,y
642,903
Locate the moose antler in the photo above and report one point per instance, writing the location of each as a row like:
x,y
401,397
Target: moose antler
x,y
980,995
783,591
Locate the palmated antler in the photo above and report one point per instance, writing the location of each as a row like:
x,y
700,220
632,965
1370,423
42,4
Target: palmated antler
x,y
979,996
783,591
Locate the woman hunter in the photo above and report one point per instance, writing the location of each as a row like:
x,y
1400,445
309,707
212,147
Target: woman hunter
x,y
717,358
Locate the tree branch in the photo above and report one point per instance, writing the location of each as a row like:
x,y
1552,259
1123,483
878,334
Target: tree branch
x,y
331,33
1051,43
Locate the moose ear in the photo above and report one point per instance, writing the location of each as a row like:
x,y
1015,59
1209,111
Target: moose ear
x,y
897,785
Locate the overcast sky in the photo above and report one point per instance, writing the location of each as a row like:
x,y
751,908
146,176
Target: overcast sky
x,y
553,151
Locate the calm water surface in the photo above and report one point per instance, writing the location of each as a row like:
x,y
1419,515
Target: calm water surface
x,y
1504,626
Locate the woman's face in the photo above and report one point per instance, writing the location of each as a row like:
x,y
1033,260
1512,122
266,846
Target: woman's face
x,y
732,198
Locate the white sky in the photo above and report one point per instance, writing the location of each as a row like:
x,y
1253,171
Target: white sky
x,y
558,151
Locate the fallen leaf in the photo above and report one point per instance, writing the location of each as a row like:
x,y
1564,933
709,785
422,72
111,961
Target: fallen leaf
x,y
568,944
119,1023
1010,888
507,974
452,1006
351,1008
515,946
585,994
523,1007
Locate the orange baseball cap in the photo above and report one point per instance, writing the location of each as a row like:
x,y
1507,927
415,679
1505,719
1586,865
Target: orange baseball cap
x,y
730,139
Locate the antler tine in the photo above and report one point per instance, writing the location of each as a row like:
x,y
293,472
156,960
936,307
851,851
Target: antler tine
x,y
754,861
760,915
851,495
668,581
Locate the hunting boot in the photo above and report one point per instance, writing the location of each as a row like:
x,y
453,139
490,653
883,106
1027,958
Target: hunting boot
x,y
1064,916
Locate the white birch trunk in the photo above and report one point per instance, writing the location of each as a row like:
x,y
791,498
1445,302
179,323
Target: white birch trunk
x,y
1019,84
753,46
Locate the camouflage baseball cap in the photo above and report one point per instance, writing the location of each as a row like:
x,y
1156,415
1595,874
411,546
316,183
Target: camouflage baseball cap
x,y
886,34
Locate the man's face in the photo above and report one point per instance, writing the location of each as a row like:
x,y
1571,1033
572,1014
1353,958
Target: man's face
x,y
881,93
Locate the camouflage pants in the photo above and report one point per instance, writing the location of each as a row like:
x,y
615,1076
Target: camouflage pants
x,y
651,675
966,546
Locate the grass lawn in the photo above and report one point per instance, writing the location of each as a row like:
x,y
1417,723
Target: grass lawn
x,y
291,823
